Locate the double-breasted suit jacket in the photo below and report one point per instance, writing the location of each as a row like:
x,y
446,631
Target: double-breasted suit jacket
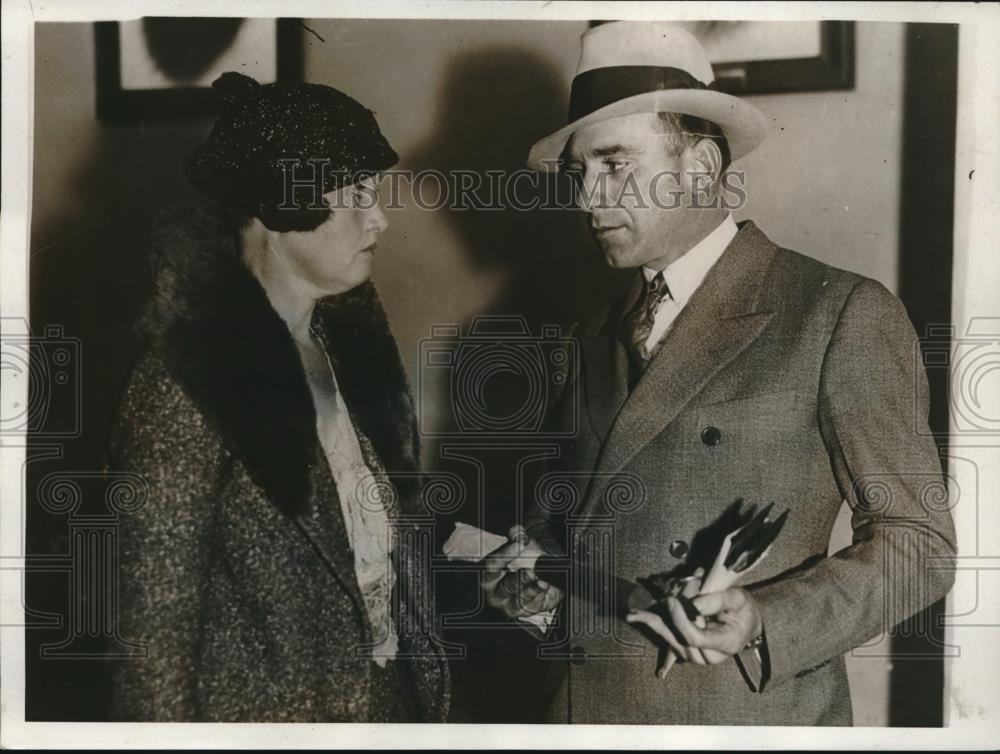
x,y
783,381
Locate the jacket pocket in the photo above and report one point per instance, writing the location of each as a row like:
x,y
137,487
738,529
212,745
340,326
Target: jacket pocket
x,y
756,418
756,446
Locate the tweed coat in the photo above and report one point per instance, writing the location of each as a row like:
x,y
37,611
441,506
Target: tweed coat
x,y
237,574
782,381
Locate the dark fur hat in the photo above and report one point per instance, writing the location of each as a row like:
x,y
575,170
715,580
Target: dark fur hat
x,y
275,145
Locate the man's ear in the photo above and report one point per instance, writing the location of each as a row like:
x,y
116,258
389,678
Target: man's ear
x,y
705,161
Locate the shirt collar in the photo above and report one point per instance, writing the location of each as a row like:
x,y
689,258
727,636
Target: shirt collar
x,y
685,274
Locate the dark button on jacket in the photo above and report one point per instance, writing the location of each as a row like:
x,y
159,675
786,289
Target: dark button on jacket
x,y
711,436
679,548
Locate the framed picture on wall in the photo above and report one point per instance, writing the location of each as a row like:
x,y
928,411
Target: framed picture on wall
x,y
162,68
768,57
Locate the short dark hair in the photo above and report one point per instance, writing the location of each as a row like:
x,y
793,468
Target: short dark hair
x,y
238,217
690,129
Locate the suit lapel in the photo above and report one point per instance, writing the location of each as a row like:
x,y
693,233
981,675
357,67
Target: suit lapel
x,y
718,323
604,357
606,364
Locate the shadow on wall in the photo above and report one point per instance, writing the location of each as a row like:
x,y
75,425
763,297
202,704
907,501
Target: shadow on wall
x,y
88,275
496,102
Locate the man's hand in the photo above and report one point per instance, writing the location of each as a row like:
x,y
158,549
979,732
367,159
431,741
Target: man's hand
x,y
509,580
732,620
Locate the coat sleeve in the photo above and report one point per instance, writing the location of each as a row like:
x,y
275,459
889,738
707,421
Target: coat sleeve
x,y
536,519
872,412
164,547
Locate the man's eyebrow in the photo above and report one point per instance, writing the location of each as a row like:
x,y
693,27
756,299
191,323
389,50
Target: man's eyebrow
x,y
611,150
614,149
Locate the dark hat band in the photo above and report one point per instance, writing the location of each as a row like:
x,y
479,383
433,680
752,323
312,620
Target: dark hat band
x,y
600,87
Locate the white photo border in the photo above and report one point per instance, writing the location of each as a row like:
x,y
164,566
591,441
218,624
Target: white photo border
x,y
973,681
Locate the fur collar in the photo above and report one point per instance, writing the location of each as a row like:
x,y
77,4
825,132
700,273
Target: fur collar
x,y
233,355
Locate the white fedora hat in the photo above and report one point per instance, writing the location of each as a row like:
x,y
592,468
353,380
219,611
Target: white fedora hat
x,y
629,67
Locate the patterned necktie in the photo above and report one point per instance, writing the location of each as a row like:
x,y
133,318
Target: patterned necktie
x,y
637,326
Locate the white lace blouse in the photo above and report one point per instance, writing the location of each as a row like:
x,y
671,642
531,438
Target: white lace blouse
x,y
364,516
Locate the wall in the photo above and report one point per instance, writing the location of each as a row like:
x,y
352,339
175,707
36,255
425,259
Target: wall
x,y
479,94
468,96
448,95
827,180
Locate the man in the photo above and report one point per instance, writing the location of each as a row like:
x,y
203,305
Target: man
x,y
732,371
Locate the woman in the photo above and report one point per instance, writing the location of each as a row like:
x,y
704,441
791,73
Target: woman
x,y
272,421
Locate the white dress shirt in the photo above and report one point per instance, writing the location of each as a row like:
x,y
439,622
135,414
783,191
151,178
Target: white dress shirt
x,y
684,275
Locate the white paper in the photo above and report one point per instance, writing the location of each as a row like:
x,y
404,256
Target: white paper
x,y
471,543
